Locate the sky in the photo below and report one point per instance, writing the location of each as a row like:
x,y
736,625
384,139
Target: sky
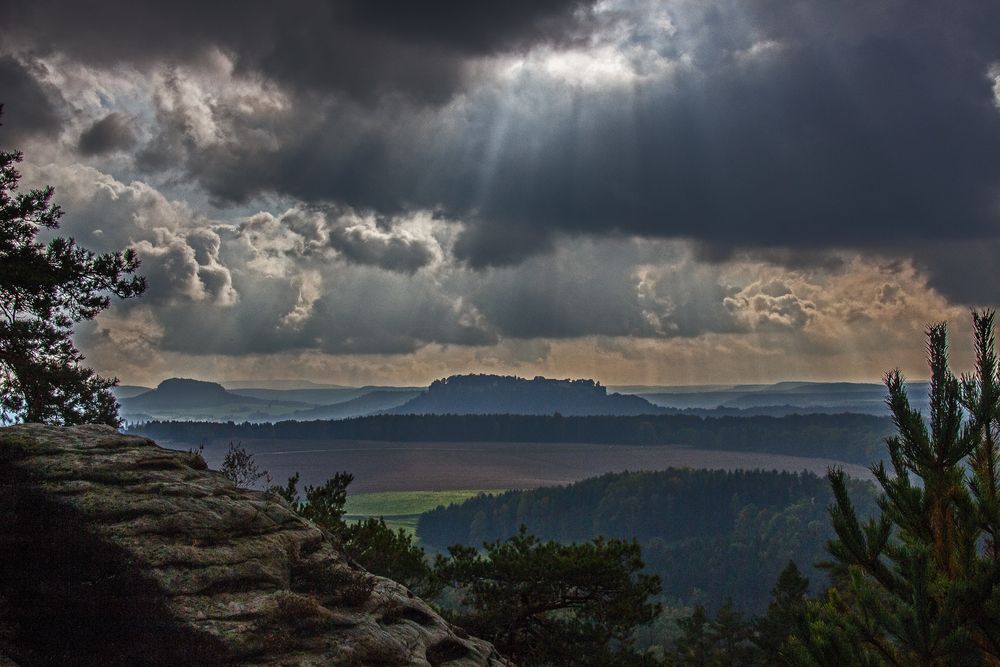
x,y
636,191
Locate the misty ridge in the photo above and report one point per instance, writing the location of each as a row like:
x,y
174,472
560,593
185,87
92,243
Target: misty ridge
x,y
184,399
496,394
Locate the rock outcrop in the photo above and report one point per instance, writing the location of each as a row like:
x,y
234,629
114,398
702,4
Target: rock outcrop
x,y
116,551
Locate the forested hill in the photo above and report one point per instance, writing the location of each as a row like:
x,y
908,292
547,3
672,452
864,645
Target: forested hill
x,y
503,394
711,535
848,437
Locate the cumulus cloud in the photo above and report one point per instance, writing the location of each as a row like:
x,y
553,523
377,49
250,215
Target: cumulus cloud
x,y
391,247
180,269
125,343
310,286
342,310
210,108
770,304
179,250
280,243
287,287
95,200
276,245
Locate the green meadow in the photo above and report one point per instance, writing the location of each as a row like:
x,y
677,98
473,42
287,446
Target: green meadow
x,y
401,509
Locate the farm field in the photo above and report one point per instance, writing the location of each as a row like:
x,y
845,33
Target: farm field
x,y
427,466
401,509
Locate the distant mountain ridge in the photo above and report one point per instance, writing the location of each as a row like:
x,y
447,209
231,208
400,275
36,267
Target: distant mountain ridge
x,y
128,390
177,393
479,394
369,403
509,394
324,397
310,396
279,385
802,397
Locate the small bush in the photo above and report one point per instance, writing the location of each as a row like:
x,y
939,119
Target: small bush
x,y
292,608
351,588
196,458
240,466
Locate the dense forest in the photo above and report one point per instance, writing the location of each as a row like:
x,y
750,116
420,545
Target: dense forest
x,y
848,437
710,535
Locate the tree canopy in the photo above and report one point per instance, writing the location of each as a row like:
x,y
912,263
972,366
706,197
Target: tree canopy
x,y
546,603
45,289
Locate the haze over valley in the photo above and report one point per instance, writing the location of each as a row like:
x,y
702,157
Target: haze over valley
x,y
183,399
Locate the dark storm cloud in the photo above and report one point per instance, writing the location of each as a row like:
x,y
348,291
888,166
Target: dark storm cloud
x,y
964,271
361,47
855,140
28,106
799,127
482,245
714,252
779,130
111,133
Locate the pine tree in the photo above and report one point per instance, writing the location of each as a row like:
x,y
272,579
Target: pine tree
x,y
44,290
546,603
694,646
731,636
920,584
784,613
392,554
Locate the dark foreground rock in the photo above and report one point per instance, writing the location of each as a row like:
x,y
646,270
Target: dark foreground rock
x,y
114,551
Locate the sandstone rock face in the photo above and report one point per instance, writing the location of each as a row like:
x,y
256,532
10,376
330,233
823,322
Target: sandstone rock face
x,y
116,551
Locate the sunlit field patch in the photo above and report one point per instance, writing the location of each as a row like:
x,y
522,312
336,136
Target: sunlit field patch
x,y
402,509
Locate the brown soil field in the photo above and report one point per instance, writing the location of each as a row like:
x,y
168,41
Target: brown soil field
x,y
428,466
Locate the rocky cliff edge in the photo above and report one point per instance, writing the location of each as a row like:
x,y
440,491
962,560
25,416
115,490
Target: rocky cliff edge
x,y
115,551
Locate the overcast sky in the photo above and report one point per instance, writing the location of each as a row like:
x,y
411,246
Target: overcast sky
x,y
643,192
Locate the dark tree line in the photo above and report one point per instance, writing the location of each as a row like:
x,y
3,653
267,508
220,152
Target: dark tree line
x,y
850,438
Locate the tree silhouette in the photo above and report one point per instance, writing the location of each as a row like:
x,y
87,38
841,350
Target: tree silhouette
x,y
45,289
